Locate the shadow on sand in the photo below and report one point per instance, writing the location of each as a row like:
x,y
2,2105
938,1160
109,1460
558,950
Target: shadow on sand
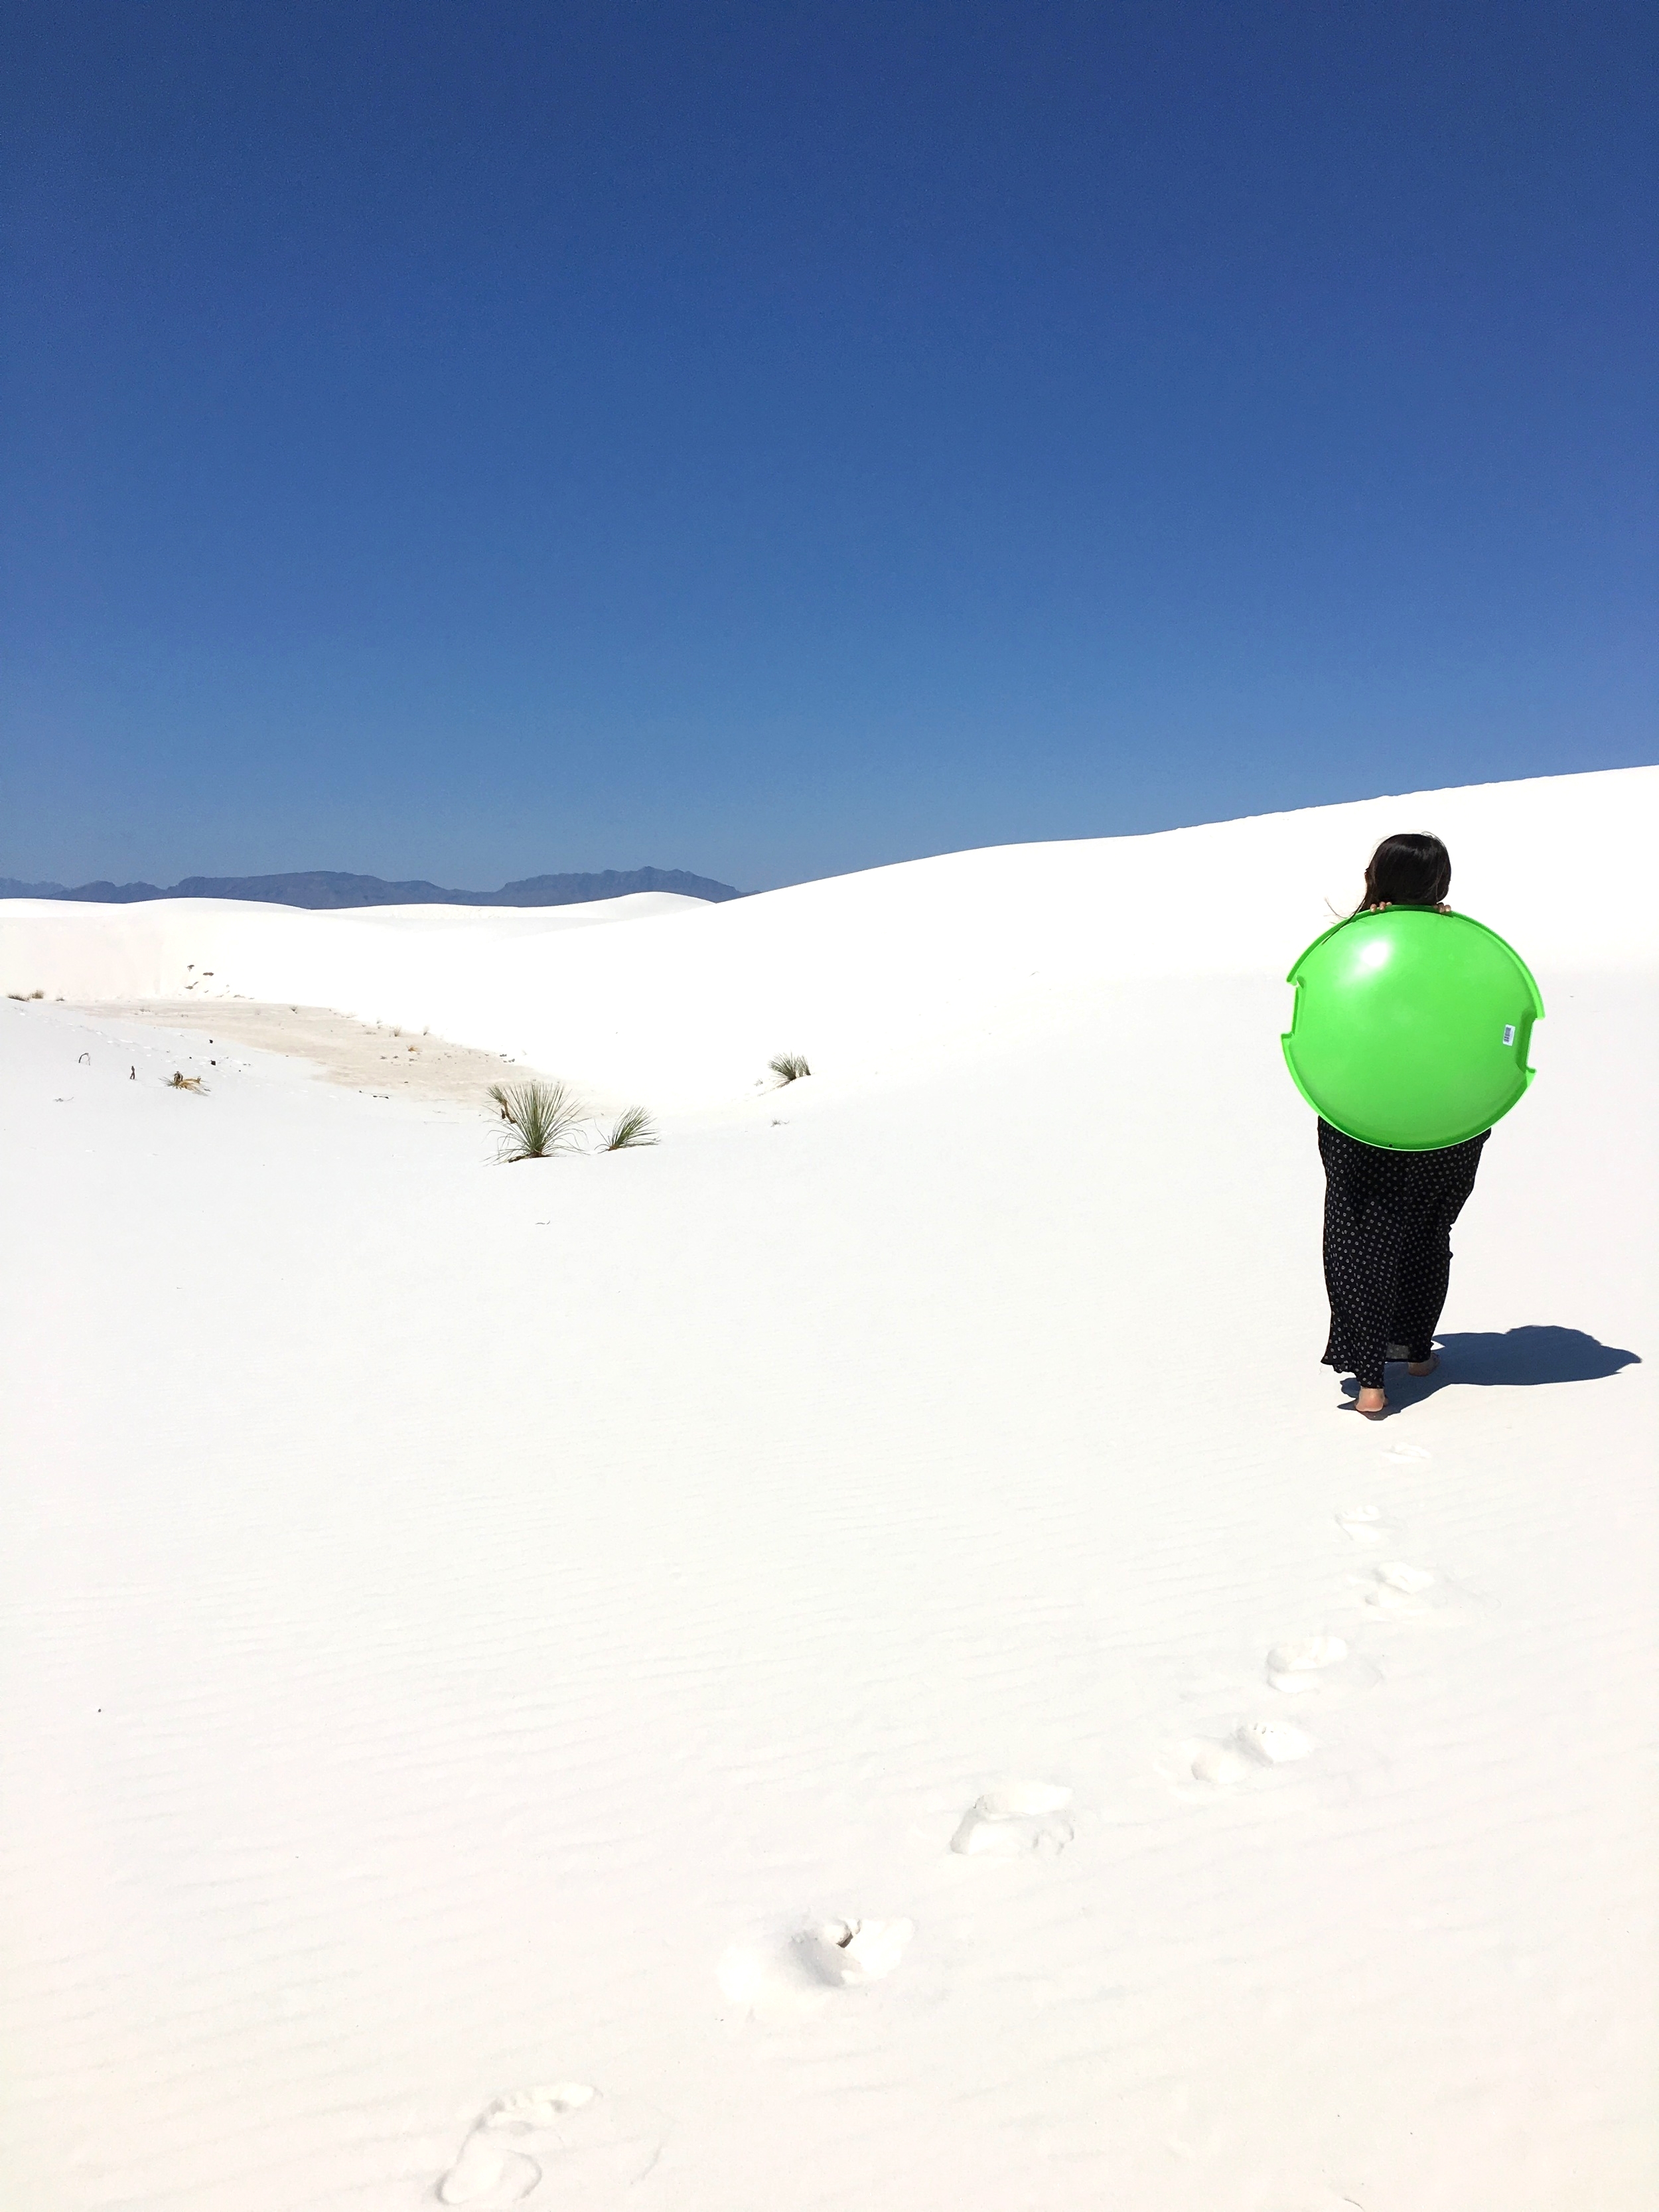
x,y
1513,1358
1541,1353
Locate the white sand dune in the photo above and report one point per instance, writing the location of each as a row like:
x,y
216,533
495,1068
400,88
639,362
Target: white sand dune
x,y
850,1660
874,971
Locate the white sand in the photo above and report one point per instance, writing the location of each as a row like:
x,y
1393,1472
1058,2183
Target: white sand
x,y
472,1631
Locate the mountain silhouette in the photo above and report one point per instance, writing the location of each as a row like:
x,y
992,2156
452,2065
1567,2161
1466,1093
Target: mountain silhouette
x,y
324,887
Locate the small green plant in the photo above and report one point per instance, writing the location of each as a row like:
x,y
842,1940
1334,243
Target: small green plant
x,y
540,1118
634,1127
789,1066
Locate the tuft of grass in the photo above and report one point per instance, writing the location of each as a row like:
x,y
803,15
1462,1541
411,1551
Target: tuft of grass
x,y
179,1081
636,1127
540,1117
37,994
789,1066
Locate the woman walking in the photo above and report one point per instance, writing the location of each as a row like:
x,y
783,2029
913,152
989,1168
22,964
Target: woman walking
x,y
1389,1214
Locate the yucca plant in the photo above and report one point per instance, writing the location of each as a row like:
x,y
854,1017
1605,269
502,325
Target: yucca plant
x,y
636,1127
540,1117
789,1066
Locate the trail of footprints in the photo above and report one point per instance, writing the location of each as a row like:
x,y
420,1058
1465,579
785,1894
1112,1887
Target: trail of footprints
x,y
1312,1667
564,2144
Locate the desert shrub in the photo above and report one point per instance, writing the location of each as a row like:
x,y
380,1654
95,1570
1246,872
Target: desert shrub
x,y
540,1117
789,1066
179,1081
636,1127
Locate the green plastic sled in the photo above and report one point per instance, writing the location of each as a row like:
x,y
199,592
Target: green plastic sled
x,y
1410,1028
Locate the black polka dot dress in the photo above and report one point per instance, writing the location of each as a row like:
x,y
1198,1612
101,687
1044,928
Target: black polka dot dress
x,y
1387,1247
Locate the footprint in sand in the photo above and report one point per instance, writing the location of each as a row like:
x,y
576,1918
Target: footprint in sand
x,y
1406,1455
772,1979
1366,1524
847,1952
1397,1587
1015,1820
559,2144
1249,1750
1308,1665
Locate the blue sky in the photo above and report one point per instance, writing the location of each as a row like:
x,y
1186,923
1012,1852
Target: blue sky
x,y
469,440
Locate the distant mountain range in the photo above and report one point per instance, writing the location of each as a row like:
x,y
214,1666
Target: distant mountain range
x,y
323,887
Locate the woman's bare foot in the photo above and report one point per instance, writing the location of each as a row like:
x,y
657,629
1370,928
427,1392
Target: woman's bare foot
x,y
1423,1366
1371,1402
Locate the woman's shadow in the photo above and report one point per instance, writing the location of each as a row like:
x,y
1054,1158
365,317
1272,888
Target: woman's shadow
x,y
1516,1356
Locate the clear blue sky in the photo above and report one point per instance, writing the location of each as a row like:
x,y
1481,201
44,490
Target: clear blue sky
x,y
467,440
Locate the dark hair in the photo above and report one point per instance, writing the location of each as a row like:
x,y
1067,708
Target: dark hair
x,y
1409,869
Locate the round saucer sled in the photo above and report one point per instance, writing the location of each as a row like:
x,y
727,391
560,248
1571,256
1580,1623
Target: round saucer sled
x,y
1410,1028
